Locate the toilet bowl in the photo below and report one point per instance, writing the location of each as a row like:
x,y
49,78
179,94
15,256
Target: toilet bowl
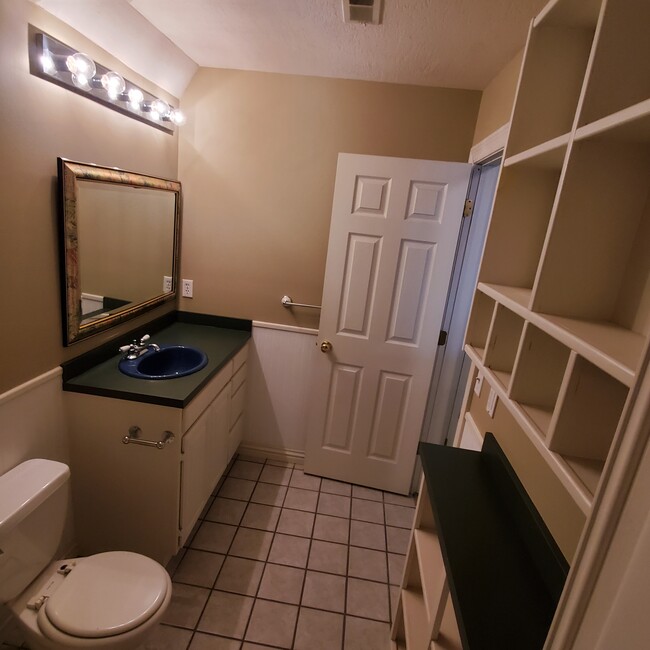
x,y
110,600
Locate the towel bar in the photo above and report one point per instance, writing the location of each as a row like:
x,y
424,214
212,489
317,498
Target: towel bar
x,y
134,437
287,302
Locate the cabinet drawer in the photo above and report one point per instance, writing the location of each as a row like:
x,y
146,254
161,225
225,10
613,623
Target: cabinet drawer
x,y
237,404
238,378
240,358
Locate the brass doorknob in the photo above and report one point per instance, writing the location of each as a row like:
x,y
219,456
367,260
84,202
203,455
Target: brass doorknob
x,y
325,346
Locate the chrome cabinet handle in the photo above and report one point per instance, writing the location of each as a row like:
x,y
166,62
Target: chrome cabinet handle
x,y
134,437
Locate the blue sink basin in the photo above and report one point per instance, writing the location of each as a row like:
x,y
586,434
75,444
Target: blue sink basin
x,y
168,362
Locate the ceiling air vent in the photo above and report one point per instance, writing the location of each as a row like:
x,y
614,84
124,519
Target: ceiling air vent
x,y
362,11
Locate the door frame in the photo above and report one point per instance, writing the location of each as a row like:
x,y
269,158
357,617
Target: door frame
x,y
450,372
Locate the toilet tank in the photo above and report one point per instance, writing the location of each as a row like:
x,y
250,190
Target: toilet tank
x,y
33,508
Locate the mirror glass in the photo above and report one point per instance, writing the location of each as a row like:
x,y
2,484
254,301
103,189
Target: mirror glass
x,y
120,245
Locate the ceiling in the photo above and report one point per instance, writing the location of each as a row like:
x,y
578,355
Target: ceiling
x,y
448,43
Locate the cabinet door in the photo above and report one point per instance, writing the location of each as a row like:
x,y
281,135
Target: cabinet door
x,y
194,482
204,459
217,443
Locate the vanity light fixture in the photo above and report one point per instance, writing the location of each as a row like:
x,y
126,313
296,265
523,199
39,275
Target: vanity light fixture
x,y
61,64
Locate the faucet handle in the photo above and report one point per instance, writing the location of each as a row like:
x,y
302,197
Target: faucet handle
x,y
144,339
125,348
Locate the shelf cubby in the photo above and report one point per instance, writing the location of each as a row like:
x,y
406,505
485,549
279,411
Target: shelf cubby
x,y
620,72
424,588
520,218
479,322
589,409
608,346
559,492
570,13
539,371
595,268
502,344
552,76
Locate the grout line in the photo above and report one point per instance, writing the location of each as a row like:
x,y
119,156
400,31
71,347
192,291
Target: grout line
x,y
274,532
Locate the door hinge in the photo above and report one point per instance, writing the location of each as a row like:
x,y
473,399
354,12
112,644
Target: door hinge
x,y
442,339
469,208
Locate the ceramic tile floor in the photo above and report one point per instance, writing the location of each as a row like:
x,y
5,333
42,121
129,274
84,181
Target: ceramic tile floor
x,y
280,559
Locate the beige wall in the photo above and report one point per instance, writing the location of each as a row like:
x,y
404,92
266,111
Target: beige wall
x,y
258,161
497,99
38,122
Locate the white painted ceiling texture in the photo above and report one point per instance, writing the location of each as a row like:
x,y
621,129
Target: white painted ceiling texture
x,y
447,43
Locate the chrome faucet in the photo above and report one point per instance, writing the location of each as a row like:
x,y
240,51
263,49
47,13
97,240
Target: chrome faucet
x,y
135,349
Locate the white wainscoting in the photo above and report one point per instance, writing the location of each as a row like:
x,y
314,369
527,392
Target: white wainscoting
x,y
32,422
279,376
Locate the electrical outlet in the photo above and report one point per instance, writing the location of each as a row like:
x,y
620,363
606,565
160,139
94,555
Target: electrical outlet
x,y
167,283
478,384
491,402
188,288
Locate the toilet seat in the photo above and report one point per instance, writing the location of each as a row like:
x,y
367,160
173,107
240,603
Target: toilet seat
x,y
104,595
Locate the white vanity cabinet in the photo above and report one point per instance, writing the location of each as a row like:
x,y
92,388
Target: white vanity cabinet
x,y
144,499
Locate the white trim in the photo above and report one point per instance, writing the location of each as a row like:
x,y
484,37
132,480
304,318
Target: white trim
x,y
285,328
29,385
487,147
286,455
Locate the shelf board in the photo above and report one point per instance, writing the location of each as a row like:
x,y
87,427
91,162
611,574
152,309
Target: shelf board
x,y
573,484
632,124
415,619
613,349
432,570
515,298
548,155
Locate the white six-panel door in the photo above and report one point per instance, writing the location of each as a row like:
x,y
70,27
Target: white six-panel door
x,y
392,242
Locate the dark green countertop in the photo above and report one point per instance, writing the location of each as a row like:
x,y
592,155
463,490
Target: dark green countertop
x,y
219,343
504,569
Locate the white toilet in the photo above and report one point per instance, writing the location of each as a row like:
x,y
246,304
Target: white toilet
x,y
109,600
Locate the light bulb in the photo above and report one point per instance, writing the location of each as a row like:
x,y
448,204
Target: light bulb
x,y
135,98
48,63
155,115
81,64
160,107
113,83
177,117
81,81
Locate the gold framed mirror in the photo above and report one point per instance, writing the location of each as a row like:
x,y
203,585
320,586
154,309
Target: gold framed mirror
x,y
119,245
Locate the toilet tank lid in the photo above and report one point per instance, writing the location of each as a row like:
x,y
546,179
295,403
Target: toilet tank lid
x,y
26,486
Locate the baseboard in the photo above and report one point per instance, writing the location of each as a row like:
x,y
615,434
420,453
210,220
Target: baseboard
x,y
285,455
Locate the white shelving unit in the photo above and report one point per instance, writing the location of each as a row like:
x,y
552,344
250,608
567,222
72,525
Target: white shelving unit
x,y
565,274
561,314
